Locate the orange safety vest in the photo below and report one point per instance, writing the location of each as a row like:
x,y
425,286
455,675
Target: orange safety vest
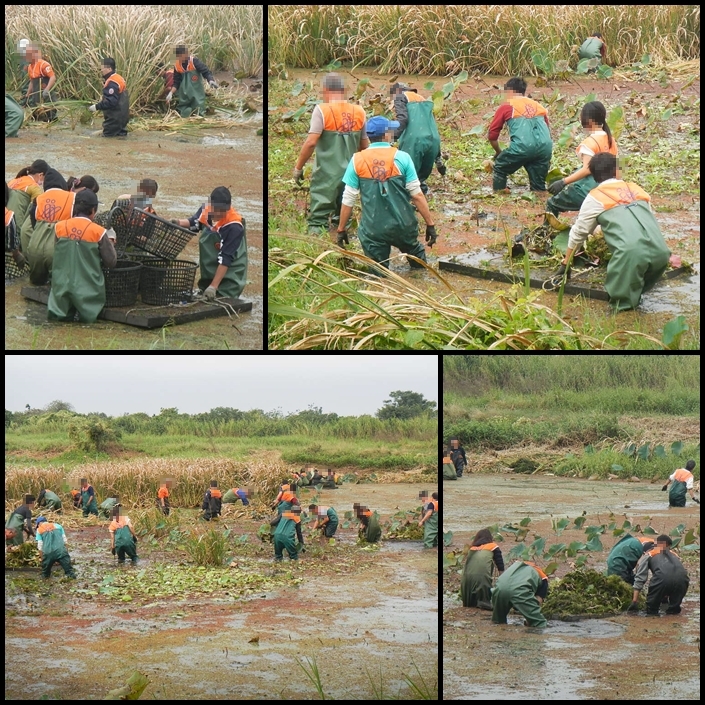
x,y
191,66
542,575
79,228
618,193
342,117
366,513
526,108
287,497
215,493
682,475
414,97
75,492
8,216
119,80
434,502
645,539
597,144
40,69
231,216
115,525
654,551
162,492
484,547
55,205
291,515
377,163
45,527
22,183
446,459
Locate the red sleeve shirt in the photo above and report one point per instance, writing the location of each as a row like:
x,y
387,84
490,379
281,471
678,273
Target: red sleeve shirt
x,y
504,112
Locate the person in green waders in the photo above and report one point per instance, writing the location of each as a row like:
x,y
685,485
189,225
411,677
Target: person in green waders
x,y
285,499
326,520
236,493
188,84
386,181
49,500
370,530
625,554
88,501
14,116
51,544
476,581
524,587
593,48
222,246
106,507
337,131
530,144
78,284
115,103
682,480
19,521
417,134
429,521
123,540
449,472
288,525
12,230
623,210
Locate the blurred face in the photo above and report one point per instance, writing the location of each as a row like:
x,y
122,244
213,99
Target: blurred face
x,y
105,70
181,57
454,444
219,212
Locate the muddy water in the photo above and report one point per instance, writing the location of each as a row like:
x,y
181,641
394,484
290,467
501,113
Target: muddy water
x,y
588,660
187,168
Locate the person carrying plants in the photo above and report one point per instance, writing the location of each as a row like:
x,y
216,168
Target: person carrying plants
x,y
593,48
49,500
429,521
524,587
163,497
476,581
105,509
232,496
123,540
212,502
222,246
51,544
682,480
78,285
337,131
326,520
626,554
457,456
288,525
188,84
20,521
417,134
88,500
370,529
593,117
386,181
623,210
669,579
115,103
530,144
41,80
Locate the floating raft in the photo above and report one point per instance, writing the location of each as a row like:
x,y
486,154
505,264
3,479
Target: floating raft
x,y
499,271
143,316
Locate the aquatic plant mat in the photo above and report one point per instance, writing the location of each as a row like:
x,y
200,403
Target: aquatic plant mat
x,y
143,316
498,270
584,594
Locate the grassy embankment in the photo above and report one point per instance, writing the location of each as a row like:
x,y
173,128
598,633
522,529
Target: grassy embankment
x,y
597,402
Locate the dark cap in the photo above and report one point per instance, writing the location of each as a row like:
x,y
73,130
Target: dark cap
x,y
87,198
220,198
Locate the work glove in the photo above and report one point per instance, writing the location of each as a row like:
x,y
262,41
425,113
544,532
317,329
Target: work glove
x,y
209,293
664,488
298,175
45,95
441,167
23,101
431,235
112,550
562,270
112,235
169,97
697,501
634,607
343,238
212,84
92,108
135,538
557,186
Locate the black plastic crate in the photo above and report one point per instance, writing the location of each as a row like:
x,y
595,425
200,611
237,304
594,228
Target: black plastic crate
x,y
122,283
153,234
116,219
167,282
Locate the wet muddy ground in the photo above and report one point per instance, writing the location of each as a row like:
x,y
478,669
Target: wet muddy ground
x,y
353,610
620,658
187,169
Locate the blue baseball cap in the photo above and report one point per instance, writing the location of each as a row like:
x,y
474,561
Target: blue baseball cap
x,y
379,124
39,521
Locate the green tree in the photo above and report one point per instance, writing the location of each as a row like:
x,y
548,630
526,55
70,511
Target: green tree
x,y
406,405
58,405
91,433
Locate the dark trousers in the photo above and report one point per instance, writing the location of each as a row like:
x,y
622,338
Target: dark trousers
x,y
660,589
64,561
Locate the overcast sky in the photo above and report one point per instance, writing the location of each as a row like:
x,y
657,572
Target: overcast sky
x,y
115,384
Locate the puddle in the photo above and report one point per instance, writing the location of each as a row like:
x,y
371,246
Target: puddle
x,y
592,628
214,141
678,295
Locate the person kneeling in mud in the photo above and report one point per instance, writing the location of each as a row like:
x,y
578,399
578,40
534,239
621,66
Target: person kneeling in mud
x,y
123,540
326,520
288,525
105,510
476,582
212,502
669,581
524,587
51,544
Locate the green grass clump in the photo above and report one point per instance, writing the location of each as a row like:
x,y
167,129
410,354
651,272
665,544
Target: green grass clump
x,y
588,593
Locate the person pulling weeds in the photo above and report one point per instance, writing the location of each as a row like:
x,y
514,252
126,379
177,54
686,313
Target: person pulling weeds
x,y
457,455
115,103
626,554
288,525
593,48
429,521
476,581
235,494
326,520
212,502
105,509
682,480
370,530
285,499
123,540
163,497
188,83
47,498
51,544
88,500
41,80
524,587
669,579
20,521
